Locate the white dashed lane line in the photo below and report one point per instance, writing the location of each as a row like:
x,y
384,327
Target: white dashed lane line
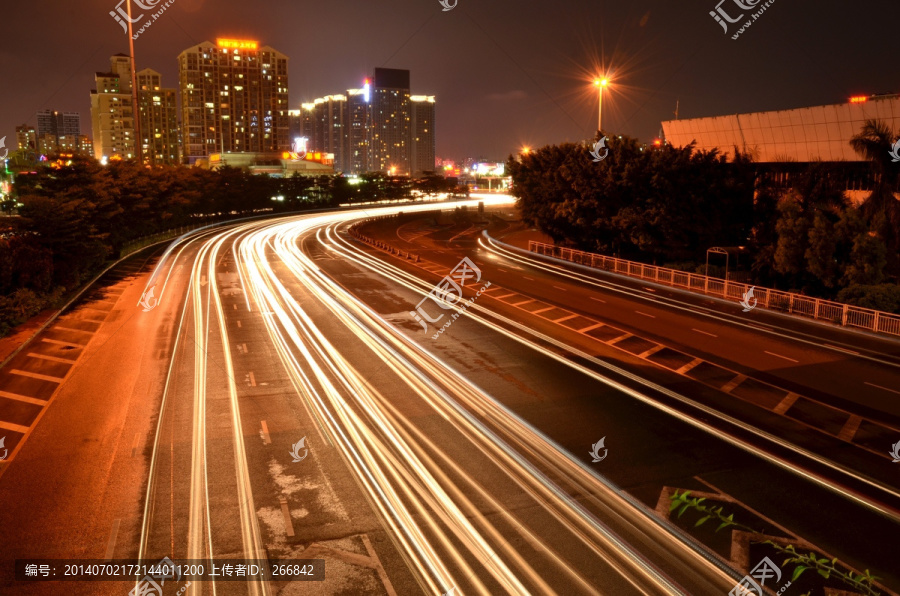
x,y
705,333
780,356
645,314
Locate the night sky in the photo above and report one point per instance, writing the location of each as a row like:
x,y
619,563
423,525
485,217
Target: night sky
x,y
505,73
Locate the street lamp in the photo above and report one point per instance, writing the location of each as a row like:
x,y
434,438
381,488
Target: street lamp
x,y
600,83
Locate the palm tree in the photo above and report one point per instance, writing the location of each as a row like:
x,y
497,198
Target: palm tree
x,y
873,142
881,208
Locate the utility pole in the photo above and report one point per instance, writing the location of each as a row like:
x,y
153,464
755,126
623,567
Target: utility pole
x,y
135,118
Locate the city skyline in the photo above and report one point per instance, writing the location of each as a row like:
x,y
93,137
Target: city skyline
x,y
503,104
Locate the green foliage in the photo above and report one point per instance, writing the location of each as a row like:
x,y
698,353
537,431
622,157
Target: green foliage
x,y
884,297
76,218
661,204
825,568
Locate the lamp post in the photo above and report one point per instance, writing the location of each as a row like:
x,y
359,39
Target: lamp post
x,y
600,83
135,116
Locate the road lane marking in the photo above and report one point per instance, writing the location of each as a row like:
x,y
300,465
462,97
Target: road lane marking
x,y
841,349
850,427
286,512
504,296
134,446
524,302
651,351
503,270
561,289
111,545
880,387
235,306
24,398
690,365
616,340
705,333
51,358
265,433
25,373
785,404
536,312
598,300
649,289
238,323
645,314
590,327
780,356
733,383
62,343
252,379
565,318
244,348
528,278
71,329
14,427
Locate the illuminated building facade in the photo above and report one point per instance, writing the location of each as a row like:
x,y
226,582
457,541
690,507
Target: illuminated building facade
x,y
389,127
378,127
58,124
158,119
422,131
112,118
26,137
799,135
234,98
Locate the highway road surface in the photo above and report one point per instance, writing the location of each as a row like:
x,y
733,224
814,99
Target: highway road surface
x,y
295,388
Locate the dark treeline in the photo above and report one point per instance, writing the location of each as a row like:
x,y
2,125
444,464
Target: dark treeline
x,y
667,206
75,218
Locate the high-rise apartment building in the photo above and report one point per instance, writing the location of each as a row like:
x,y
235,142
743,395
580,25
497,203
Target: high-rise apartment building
x,y
422,131
390,120
234,98
26,137
112,116
58,124
158,119
379,126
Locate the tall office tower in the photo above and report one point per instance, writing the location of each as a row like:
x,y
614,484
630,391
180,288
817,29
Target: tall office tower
x,y
389,127
329,117
422,131
358,153
234,98
26,137
158,119
58,124
112,116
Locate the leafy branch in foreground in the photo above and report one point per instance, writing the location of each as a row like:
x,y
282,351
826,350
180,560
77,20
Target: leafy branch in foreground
x,y
827,569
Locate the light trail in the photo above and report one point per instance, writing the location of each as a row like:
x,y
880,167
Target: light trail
x,y
432,503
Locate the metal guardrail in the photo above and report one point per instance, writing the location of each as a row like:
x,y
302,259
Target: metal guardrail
x,y
838,313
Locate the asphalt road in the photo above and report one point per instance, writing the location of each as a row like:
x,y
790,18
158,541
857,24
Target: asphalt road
x,y
275,398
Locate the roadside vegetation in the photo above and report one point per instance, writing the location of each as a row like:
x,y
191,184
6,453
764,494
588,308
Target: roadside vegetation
x,y
667,206
74,219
